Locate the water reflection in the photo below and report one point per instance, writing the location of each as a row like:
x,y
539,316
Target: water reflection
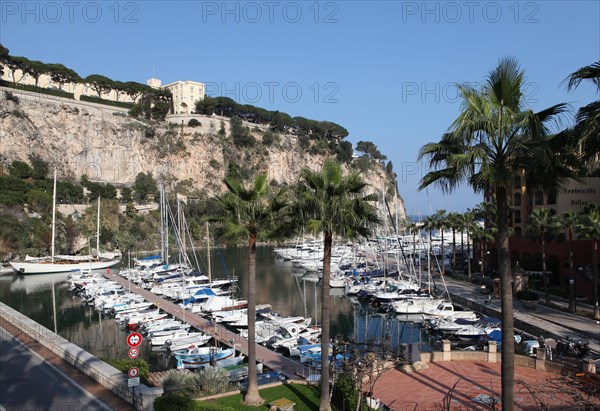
x,y
287,291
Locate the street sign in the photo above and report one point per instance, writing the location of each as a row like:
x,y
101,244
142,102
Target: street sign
x,y
133,352
132,382
133,372
134,339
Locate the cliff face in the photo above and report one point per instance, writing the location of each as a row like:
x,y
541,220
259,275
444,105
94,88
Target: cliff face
x,y
108,146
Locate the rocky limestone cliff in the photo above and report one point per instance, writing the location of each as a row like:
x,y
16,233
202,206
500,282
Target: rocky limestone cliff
x,y
109,146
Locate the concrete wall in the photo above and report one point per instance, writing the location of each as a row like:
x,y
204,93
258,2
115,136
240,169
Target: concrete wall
x,y
32,96
142,397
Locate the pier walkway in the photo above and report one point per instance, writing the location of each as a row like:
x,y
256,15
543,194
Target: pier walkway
x,y
275,361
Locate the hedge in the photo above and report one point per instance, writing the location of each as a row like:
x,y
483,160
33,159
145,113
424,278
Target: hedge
x,y
36,89
98,100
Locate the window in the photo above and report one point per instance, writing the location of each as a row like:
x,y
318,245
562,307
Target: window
x,y
517,216
539,198
551,198
517,200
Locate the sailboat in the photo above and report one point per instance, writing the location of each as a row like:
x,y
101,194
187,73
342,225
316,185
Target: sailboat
x,y
66,263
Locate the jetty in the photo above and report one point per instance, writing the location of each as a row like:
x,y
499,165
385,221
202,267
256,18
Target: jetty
x,y
274,360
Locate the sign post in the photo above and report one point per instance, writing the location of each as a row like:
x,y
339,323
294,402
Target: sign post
x,y
133,353
134,340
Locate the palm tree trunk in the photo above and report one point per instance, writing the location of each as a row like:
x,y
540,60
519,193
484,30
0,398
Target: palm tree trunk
x,y
545,277
595,274
443,270
468,256
571,274
430,251
453,251
482,257
506,300
252,397
325,320
462,247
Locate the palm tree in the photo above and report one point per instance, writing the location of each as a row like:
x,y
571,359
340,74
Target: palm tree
x,y
589,227
249,213
493,139
332,203
429,223
568,220
441,223
482,235
454,223
587,121
414,229
468,222
540,224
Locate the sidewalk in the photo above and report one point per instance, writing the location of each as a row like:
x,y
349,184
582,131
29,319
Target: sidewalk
x,y
540,320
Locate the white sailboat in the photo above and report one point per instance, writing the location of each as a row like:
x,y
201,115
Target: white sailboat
x,y
65,263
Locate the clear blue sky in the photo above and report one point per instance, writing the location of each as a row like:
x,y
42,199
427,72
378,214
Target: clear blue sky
x,y
384,70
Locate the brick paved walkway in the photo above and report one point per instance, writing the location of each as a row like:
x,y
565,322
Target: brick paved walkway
x,y
426,389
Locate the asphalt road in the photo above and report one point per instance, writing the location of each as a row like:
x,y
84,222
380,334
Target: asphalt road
x,y
28,382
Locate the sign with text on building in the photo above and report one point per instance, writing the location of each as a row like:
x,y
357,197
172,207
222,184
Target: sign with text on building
x,y
576,195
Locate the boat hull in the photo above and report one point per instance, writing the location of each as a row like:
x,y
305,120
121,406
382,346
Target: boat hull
x,y
60,267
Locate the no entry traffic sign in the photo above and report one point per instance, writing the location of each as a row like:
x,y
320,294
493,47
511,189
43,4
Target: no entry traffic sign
x,y
134,339
133,372
133,352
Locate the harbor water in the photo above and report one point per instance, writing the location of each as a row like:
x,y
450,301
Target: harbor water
x,y
289,292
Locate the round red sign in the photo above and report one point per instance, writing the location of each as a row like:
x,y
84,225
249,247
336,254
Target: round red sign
x,y
133,352
133,372
134,339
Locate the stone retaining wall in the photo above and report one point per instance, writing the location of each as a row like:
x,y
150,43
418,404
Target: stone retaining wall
x,y
492,355
141,397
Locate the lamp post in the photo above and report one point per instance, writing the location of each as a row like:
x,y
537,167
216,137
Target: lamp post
x,y
572,308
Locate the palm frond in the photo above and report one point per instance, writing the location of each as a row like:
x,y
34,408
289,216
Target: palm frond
x,y
591,72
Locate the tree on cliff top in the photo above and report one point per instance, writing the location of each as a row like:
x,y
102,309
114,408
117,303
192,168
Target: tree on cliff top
x,y
99,83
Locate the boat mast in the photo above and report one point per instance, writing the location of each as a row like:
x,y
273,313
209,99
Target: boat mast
x,y
98,231
53,217
162,225
208,252
167,211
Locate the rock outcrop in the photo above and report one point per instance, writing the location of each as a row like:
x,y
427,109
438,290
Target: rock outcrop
x,y
108,146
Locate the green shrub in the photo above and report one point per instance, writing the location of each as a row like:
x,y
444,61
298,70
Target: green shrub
x,y
212,380
124,365
345,394
93,99
194,123
35,89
